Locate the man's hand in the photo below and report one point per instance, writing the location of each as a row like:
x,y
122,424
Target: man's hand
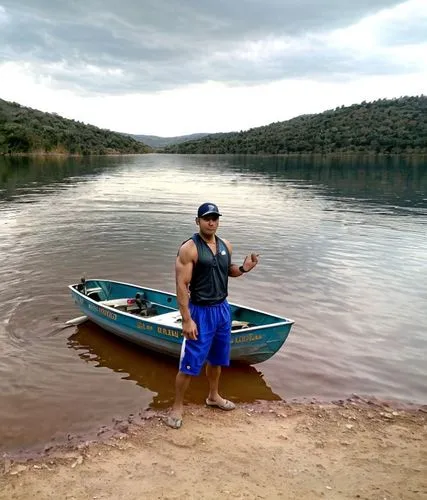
x,y
189,329
250,261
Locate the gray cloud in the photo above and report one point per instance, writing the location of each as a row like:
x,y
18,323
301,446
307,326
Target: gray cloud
x,y
406,33
161,44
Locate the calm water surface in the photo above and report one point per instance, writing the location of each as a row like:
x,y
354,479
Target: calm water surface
x,y
343,249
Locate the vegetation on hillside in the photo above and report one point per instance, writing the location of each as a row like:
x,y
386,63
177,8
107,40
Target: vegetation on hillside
x,y
383,126
160,142
26,130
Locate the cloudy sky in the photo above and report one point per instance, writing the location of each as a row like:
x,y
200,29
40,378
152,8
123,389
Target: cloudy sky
x,y
173,67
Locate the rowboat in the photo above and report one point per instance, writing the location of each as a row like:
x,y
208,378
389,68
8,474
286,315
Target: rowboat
x,y
151,318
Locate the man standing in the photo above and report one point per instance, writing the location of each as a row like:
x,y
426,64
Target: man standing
x,y
203,265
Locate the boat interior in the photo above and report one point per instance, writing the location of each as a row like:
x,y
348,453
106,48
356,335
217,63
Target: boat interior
x,y
144,306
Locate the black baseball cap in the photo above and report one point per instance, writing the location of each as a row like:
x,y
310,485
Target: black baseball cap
x,y
208,209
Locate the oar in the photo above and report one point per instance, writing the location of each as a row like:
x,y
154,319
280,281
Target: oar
x,y
67,324
76,321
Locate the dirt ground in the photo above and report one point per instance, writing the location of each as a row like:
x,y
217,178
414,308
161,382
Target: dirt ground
x,y
346,450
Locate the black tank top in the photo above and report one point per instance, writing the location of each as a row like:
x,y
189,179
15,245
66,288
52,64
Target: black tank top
x,y
209,282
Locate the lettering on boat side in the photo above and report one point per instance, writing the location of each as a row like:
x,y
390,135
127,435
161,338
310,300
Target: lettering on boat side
x,y
144,326
169,332
246,338
101,310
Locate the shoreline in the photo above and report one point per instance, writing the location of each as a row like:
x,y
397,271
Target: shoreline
x,y
337,154
127,424
354,448
66,155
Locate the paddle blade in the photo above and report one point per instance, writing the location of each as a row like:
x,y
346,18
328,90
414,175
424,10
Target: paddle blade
x,y
76,321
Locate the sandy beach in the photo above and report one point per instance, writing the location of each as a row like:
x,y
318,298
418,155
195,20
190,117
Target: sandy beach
x,y
344,450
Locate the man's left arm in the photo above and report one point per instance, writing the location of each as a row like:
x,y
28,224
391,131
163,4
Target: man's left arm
x,y
234,270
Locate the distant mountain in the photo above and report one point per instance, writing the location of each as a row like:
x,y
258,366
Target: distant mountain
x,y
382,126
27,130
160,142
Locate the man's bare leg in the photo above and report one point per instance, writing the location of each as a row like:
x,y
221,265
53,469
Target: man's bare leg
x,y
182,382
213,373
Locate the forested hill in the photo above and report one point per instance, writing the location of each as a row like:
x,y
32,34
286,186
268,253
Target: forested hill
x,y
160,142
383,126
26,130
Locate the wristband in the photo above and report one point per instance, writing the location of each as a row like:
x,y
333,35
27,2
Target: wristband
x,y
242,270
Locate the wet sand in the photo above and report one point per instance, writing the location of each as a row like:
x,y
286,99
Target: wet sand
x,y
344,450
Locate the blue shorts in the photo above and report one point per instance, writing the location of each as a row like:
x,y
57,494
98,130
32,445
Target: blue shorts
x,y
213,340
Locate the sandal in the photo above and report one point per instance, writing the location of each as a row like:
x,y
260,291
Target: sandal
x,y
174,422
224,405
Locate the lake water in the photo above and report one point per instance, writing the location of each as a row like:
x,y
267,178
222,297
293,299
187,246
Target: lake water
x,y
343,247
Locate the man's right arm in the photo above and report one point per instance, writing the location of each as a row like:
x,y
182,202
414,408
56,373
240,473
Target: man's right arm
x,y
183,272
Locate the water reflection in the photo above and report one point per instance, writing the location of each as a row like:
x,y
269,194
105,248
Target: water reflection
x,y
393,179
20,176
155,372
390,179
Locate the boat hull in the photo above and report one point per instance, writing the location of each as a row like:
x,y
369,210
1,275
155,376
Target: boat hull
x,y
163,332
